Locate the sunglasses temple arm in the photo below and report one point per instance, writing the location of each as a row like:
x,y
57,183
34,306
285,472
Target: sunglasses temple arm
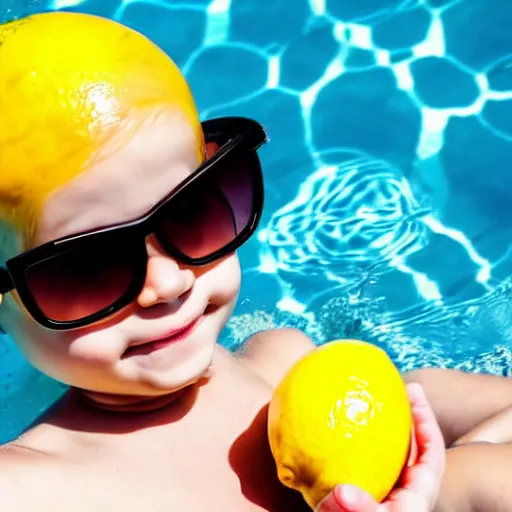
x,y
6,285
6,282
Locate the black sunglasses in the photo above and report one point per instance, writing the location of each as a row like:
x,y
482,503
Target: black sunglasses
x,y
80,279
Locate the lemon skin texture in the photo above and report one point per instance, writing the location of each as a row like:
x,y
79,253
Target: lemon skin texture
x,y
340,415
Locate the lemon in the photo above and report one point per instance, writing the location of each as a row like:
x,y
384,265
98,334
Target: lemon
x,y
69,84
340,415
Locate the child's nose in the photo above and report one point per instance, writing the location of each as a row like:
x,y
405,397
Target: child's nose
x,y
165,280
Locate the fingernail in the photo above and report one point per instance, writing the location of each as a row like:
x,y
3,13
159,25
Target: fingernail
x,y
346,495
416,387
415,391
419,389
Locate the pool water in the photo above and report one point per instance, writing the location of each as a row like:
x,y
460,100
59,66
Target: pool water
x,y
388,210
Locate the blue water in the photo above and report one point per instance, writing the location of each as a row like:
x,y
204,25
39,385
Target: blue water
x,y
388,175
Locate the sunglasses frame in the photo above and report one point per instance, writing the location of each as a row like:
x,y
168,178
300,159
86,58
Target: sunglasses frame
x,y
234,134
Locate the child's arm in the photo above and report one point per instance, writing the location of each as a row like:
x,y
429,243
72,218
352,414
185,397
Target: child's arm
x,y
477,478
497,429
462,401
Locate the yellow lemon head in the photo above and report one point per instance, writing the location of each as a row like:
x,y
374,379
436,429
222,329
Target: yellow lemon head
x,y
68,82
340,415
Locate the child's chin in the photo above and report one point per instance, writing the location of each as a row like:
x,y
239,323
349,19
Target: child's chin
x,y
178,384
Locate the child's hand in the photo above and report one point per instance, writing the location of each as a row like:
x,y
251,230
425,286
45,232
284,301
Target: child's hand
x,y
419,486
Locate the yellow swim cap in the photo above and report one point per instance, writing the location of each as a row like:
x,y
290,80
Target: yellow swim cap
x,y
66,82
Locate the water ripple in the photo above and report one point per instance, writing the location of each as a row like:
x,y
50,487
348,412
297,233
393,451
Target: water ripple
x,y
346,218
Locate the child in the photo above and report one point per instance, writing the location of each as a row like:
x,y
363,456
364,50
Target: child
x,y
120,216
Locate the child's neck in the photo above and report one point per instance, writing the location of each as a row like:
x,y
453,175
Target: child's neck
x,y
127,404
86,411
133,403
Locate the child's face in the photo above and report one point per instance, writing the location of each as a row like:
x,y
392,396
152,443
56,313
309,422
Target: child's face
x,y
115,355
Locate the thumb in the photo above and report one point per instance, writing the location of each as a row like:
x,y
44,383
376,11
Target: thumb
x,y
348,498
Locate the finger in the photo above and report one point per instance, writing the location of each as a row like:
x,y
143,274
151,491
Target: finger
x,y
405,500
424,478
413,450
429,437
353,499
330,504
347,498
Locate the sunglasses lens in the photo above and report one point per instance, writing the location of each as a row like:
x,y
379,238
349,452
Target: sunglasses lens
x,y
210,214
80,283
215,210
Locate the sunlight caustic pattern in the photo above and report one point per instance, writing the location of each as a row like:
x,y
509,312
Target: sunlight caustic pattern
x,y
387,189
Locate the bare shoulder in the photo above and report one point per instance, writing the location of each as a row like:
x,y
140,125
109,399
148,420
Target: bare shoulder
x,y
10,497
18,465
269,354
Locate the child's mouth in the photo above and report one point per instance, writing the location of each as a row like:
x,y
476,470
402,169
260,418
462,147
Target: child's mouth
x,y
152,346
